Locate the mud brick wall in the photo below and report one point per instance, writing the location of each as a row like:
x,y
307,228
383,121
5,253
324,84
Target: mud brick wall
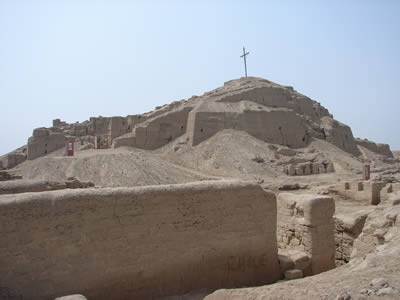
x,y
137,243
305,223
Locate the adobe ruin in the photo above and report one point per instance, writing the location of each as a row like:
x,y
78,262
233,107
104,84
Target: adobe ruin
x,y
206,208
270,112
97,242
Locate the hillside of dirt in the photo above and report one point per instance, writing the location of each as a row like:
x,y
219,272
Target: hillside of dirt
x,y
120,167
249,128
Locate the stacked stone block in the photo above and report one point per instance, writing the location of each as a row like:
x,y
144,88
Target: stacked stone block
x,y
347,228
309,168
305,223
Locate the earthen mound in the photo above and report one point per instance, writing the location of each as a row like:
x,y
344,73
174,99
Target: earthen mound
x,y
248,128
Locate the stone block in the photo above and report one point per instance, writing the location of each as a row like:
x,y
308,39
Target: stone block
x,y
323,262
72,297
293,274
299,171
376,188
294,242
287,152
313,228
300,260
316,207
315,168
307,169
285,262
286,214
289,187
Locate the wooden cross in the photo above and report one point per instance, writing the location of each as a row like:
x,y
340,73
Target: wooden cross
x,y
244,57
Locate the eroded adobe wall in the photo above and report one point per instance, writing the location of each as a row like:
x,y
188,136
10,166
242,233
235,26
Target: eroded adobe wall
x,y
12,159
280,97
161,130
43,141
283,127
347,229
107,129
383,149
339,135
305,223
138,243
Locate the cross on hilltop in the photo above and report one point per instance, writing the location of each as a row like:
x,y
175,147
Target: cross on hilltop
x,y
244,58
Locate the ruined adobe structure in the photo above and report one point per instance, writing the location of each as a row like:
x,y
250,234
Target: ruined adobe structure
x,y
146,242
305,223
138,242
270,112
61,235
373,272
44,141
369,192
382,149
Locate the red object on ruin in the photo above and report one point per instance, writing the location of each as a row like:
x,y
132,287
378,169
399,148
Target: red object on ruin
x,y
70,148
366,173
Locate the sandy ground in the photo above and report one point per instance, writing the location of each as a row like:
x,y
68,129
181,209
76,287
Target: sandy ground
x,y
109,168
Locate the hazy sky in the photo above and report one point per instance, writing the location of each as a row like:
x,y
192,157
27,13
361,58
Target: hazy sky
x,y
77,59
